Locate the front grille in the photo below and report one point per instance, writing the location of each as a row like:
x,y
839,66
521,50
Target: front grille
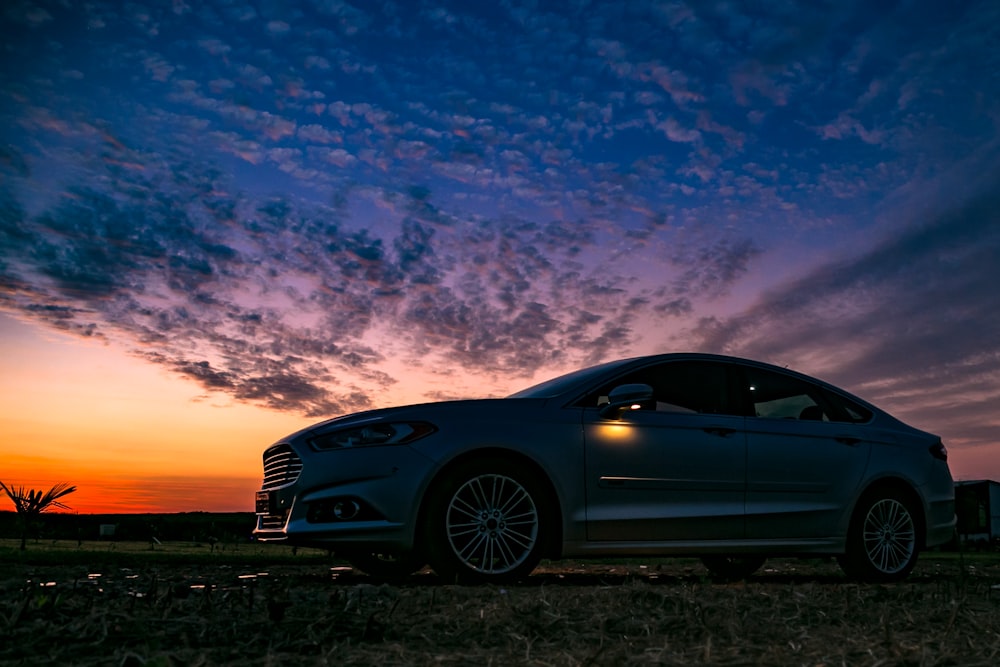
x,y
281,466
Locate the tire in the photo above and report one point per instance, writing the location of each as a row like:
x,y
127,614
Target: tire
x,y
882,541
485,522
732,568
385,565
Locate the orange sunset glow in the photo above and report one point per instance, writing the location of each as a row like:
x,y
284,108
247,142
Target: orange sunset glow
x,y
130,437
223,222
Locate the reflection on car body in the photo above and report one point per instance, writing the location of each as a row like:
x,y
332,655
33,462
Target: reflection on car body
x,y
727,459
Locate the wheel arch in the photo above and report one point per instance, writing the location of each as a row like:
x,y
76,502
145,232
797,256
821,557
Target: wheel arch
x,y
553,541
904,488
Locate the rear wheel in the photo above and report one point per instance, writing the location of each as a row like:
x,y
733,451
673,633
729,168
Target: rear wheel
x,y
882,540
485,522
732,568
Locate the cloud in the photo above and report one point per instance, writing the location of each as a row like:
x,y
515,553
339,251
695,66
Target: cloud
x,y
27,13
710,268
319,134
278,27
845,126
297,306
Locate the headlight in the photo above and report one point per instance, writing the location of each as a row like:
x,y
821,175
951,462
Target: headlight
x,y
372,434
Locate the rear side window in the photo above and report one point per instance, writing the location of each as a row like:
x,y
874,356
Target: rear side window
x,y
779,396
847,410
696,387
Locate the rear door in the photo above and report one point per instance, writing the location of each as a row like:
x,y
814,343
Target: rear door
x,y
675,470
806,455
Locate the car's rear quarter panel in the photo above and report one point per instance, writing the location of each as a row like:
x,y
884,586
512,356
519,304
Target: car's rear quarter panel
x,y
904,455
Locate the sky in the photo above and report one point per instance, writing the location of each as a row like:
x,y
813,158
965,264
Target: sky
x,y
221,221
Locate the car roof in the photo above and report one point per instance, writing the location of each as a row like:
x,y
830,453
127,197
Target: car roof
x,y
567,384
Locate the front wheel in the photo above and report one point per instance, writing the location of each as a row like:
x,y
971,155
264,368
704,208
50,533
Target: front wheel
x,y
732,568
485,522
882,540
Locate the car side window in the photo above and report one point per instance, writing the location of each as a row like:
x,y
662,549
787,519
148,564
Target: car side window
x,y
778,396
845,410
692,387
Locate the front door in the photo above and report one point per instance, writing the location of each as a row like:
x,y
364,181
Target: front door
x,y
675,470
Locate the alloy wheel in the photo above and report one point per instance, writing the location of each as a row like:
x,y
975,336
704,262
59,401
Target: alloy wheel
x,y
492,524
889,536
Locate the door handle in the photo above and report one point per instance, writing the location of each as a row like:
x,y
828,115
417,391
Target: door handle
x,y
848,440
720,431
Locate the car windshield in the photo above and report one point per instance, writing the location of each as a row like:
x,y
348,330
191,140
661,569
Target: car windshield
x,y
564,383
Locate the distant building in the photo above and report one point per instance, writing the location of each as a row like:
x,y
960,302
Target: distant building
x,y
977,506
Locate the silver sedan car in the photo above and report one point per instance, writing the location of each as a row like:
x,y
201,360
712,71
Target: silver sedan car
x,y
726,459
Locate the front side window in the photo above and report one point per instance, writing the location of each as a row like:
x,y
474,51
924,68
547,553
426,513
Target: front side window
x,y
694,387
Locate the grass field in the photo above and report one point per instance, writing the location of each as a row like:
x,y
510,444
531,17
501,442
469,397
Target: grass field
x,y
190,604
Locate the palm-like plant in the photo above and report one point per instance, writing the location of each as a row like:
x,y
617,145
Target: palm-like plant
x,y
30,503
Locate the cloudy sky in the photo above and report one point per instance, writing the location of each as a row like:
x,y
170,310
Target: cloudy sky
x,y
222,220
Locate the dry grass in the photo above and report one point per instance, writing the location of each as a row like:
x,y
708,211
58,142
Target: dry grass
x,y
669,613
54,552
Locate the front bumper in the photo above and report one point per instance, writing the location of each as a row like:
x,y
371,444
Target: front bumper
x,y
364,498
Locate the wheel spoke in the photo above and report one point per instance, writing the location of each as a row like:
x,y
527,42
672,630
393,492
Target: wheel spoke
x,y
900,517
478,494
467,509
486,562
496,491
505,549
522,540
902,523
470,547
516,497
883,557
465,531
896,553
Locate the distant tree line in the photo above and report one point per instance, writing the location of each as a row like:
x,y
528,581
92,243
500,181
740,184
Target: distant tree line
x,y
206,527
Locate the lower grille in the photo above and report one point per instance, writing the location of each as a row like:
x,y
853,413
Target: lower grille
x,y
273,521
281,467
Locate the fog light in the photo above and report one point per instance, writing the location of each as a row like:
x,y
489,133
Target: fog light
x,y
345,510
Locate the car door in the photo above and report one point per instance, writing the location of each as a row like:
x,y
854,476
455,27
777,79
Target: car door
x,y
806,454
670,471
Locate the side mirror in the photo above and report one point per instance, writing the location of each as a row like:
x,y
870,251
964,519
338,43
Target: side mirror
x,y
626,397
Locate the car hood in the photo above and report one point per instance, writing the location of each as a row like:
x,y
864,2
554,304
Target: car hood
x,y
418,412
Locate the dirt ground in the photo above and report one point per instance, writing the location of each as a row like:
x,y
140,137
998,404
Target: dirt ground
x,y
568,613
